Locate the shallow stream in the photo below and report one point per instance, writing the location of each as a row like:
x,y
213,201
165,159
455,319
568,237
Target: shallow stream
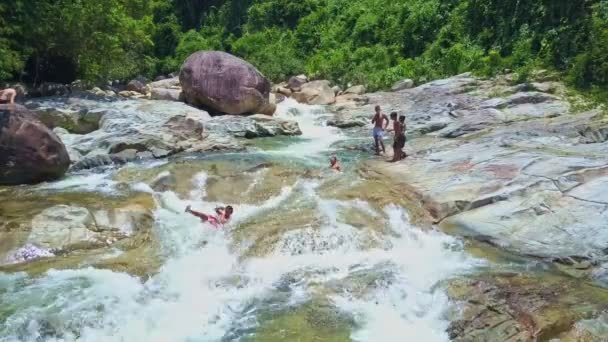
x,y
306,257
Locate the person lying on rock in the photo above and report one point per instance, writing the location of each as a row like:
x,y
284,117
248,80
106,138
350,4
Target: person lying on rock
x,y
379,127
222,217
334,164
8,96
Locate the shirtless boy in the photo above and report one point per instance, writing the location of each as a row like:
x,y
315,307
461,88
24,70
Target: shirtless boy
x,y
334,164
8,96
379,127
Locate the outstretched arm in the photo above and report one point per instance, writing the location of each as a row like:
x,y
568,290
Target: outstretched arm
x,y
200,215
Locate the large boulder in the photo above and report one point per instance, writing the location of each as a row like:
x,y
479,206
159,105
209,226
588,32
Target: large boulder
x,y
315,93
224,83
29,151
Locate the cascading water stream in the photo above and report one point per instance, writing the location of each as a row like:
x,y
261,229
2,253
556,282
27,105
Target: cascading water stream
x,y
383,283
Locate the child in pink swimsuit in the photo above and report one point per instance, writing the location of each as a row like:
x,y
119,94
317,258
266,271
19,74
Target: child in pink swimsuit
x,y
222,217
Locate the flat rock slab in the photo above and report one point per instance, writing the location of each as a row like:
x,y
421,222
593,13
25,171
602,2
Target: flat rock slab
x,y
510,307
522,178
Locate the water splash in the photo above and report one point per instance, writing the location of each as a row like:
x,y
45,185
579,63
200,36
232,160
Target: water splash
x,y
316,135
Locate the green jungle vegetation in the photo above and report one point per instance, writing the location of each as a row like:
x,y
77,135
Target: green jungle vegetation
x,y
371,42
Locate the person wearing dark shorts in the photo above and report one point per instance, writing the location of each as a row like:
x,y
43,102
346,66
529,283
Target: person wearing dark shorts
x,y
402,139
399,140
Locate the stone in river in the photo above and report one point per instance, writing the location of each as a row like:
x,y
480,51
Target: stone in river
x,y
29,151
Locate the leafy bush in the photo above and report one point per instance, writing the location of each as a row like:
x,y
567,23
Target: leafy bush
x,y
272,51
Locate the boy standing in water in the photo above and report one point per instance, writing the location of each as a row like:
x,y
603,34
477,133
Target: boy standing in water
x,y
379,128
223,215
334,164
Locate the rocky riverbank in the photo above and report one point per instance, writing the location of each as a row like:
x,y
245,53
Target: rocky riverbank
x,y
516,170
516,167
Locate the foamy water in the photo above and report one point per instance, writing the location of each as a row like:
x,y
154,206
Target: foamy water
x,y
316,135
205,291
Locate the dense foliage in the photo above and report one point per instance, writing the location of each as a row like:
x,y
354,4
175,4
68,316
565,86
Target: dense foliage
x,y
375,42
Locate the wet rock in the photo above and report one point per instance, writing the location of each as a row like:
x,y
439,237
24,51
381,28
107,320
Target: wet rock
x,y
403,84
67,140
254,126
511,170
510,307
279,97
357,90
63,228
101,93
92,162
315,93
138,85
60,227
130,93
594,133
225,83
349,101
157,128
295,82
317,320
337,90
455,131
431,127
29,151
27,253
168,83
74,121
342,121
284,91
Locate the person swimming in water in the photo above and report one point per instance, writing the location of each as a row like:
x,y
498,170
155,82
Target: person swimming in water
x,y
223,215
334,164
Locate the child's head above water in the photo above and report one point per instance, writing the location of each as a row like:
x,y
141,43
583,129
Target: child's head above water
x,y
394,115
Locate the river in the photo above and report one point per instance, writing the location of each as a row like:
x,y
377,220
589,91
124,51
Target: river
x,y
300,261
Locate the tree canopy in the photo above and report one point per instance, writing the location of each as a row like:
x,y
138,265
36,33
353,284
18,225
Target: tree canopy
x,y
374,42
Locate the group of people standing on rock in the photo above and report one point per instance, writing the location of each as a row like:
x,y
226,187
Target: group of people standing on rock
x,y
399,128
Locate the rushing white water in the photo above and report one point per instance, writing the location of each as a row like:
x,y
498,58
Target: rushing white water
x,y
205,291
316,135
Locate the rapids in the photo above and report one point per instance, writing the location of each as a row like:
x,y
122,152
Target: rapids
x,y
333,270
